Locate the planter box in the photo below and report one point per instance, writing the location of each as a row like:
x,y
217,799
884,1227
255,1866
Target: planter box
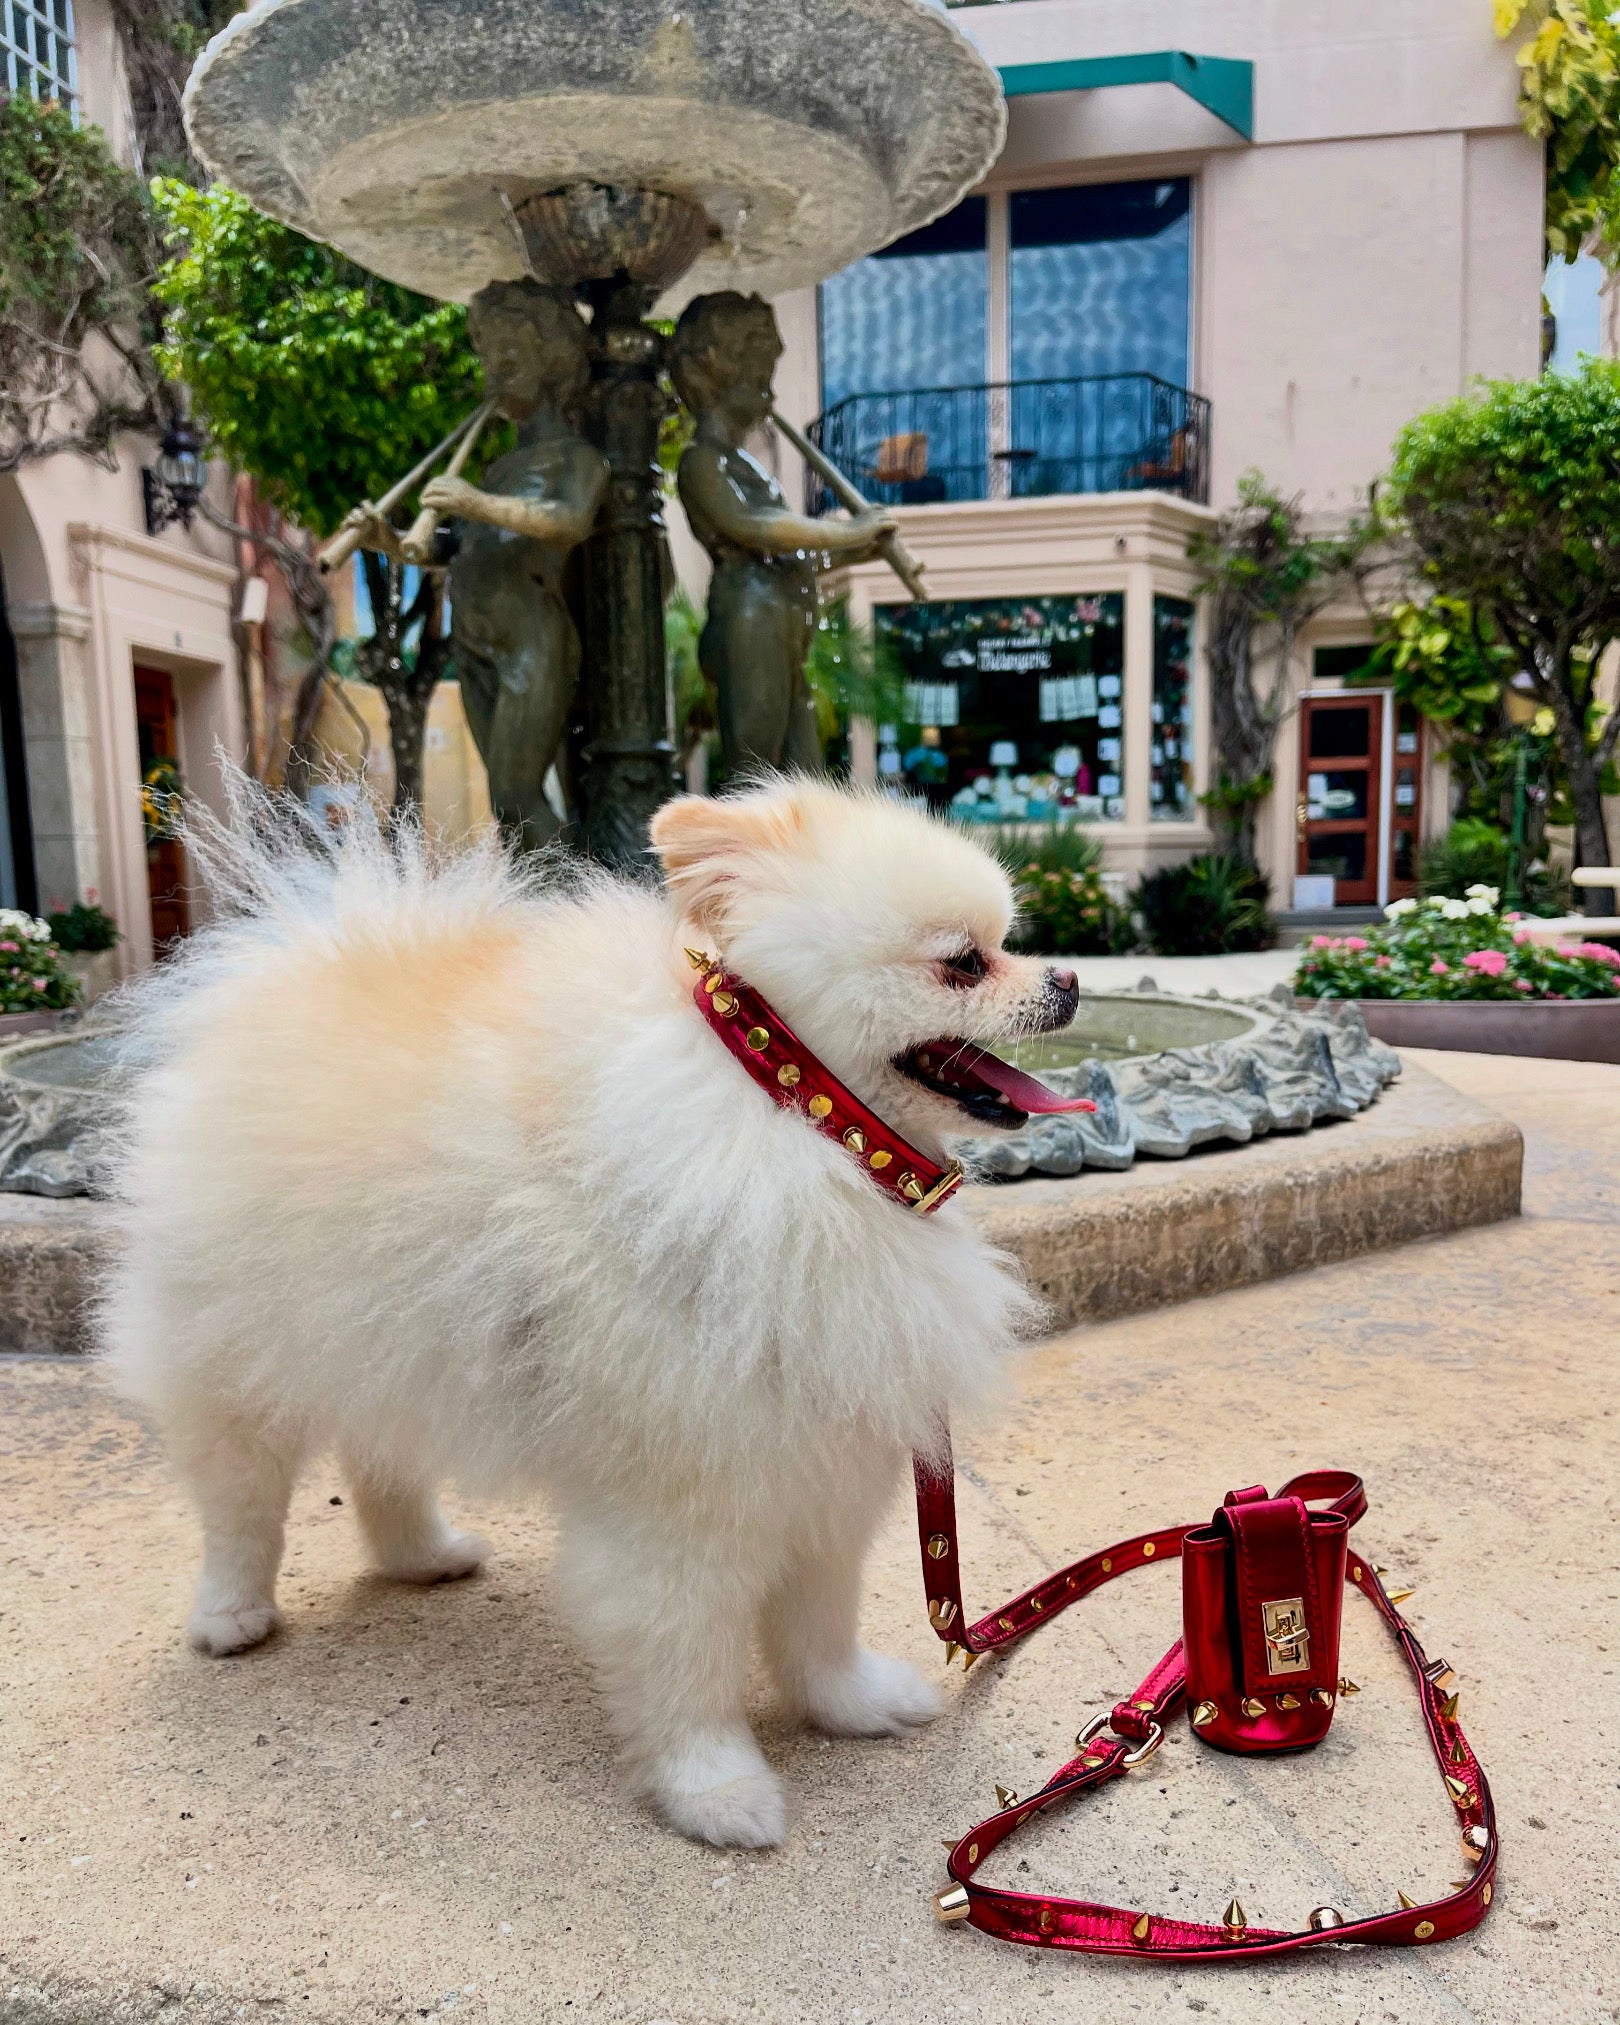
x,y
14,1026
1570,1030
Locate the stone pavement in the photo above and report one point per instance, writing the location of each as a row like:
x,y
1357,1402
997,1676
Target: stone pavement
x,y
402,1806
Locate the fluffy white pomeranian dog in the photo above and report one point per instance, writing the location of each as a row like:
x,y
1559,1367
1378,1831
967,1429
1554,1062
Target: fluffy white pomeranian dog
x,y
439,1166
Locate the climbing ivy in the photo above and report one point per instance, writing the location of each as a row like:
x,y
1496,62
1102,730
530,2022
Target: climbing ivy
x,y
76,322
1570,97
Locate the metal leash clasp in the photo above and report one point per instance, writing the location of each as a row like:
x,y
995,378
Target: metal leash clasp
x,y
1131,1759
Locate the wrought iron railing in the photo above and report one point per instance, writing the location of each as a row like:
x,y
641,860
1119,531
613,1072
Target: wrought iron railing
x,y
1023,439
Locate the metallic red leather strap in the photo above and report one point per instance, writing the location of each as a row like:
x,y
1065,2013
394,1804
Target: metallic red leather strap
x,y
1042,1920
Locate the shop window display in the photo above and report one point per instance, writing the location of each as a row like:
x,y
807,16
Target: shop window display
x,y
1171,772
1019,704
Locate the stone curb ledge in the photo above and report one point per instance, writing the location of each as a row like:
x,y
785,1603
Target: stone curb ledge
x,y
1422,1161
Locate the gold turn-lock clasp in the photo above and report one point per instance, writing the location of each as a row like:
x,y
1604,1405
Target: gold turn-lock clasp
x,y
1288,1643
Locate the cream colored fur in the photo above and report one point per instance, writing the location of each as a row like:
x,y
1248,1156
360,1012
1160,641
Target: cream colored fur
x,y
438,1167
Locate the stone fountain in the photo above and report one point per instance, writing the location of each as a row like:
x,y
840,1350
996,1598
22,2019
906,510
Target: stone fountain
x,y
635,153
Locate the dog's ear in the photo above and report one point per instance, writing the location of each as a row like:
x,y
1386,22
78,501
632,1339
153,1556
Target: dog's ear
x,y
707,845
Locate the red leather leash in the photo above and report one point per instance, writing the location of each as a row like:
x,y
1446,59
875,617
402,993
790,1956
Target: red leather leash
x,y
1136,1727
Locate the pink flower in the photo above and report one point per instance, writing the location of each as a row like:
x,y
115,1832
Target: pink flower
x,y
1438,969
1513,914
1521,935
1600,952
10,948
1489,962
1521,984
40,983
1380,963
1323,942
1355,942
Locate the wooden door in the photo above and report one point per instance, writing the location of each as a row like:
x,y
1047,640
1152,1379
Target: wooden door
x,y
158,732
1341,756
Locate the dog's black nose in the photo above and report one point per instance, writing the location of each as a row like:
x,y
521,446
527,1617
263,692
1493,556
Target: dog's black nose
x,y
1063,978
1062,994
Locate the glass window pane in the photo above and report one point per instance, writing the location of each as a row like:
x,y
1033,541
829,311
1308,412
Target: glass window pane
x,y
1020,706
1340,734
1099,280
914,315
1171,772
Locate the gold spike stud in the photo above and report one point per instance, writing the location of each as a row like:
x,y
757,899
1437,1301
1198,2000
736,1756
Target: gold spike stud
x,y
1438,1673
939,1546
1289,1701
1005,1798
1251,1707
724,1004
1204,1715
698,960
1458,1753
1475,1841
818,1107
951,1650
908,1184
789,1075
855,1139
970,1660
1142,1928
953,1906
1347,1686
1460,1791
1324,1918
880,1160
949,1842
1448,1709
1235,1920
1400,1595
941,1613
1323,1697
1407,1904
758,1039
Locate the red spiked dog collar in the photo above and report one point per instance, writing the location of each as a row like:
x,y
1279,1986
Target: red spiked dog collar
x,y
789,1073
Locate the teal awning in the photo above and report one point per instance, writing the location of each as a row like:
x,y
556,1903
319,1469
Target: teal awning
x,y
1223,85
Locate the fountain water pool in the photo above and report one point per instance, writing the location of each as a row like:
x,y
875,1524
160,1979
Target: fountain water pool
x,y
1166,1073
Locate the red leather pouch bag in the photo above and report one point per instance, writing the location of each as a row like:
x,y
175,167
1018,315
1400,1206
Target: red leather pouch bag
x,y
1262,1593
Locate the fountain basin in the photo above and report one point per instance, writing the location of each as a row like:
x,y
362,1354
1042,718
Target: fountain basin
x,y
808,132
1166,1074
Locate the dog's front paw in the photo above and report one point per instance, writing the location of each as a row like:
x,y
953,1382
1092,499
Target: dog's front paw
x,y
220,1632
461,1554
872,1697
721,1791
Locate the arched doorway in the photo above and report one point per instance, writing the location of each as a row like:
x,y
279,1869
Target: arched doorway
x,y
18,885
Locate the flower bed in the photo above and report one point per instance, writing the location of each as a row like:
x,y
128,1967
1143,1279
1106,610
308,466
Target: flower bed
x,y
33,977
1455,949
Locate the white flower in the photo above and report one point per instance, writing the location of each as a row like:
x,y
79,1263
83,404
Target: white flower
x,y
1397,908
1436,905
1489,894
1456,910
15,926
1482,905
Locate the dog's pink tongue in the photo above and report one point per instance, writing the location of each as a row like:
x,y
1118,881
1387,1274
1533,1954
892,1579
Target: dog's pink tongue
x,y
1021,1091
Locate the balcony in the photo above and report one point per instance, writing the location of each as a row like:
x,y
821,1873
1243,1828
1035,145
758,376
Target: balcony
x,y
1023,439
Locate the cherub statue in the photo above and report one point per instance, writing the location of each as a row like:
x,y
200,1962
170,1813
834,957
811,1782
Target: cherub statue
x,y
517,649
762,597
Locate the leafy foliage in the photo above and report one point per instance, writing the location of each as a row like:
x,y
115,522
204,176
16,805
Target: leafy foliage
x,y
1064,909
324,382
1569,92
852,673
83,929
1265,575
77,248
1510,498
1443,657
1474,853
1214,905
1454,949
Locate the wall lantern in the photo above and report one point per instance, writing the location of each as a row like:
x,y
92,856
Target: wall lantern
x,y
172,487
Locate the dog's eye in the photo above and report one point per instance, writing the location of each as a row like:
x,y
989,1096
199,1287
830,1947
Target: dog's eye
x,y
966,968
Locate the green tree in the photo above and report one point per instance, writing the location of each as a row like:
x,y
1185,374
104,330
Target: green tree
x,y
325,384
1510,498
1266,575
1570,97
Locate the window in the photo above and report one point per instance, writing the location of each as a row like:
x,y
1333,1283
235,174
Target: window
x,y
1171,773
1020,706
36,47
915,315
1098,280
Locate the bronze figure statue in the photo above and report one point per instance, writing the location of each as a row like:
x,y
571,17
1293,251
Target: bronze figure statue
x,y
517,650
762,597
